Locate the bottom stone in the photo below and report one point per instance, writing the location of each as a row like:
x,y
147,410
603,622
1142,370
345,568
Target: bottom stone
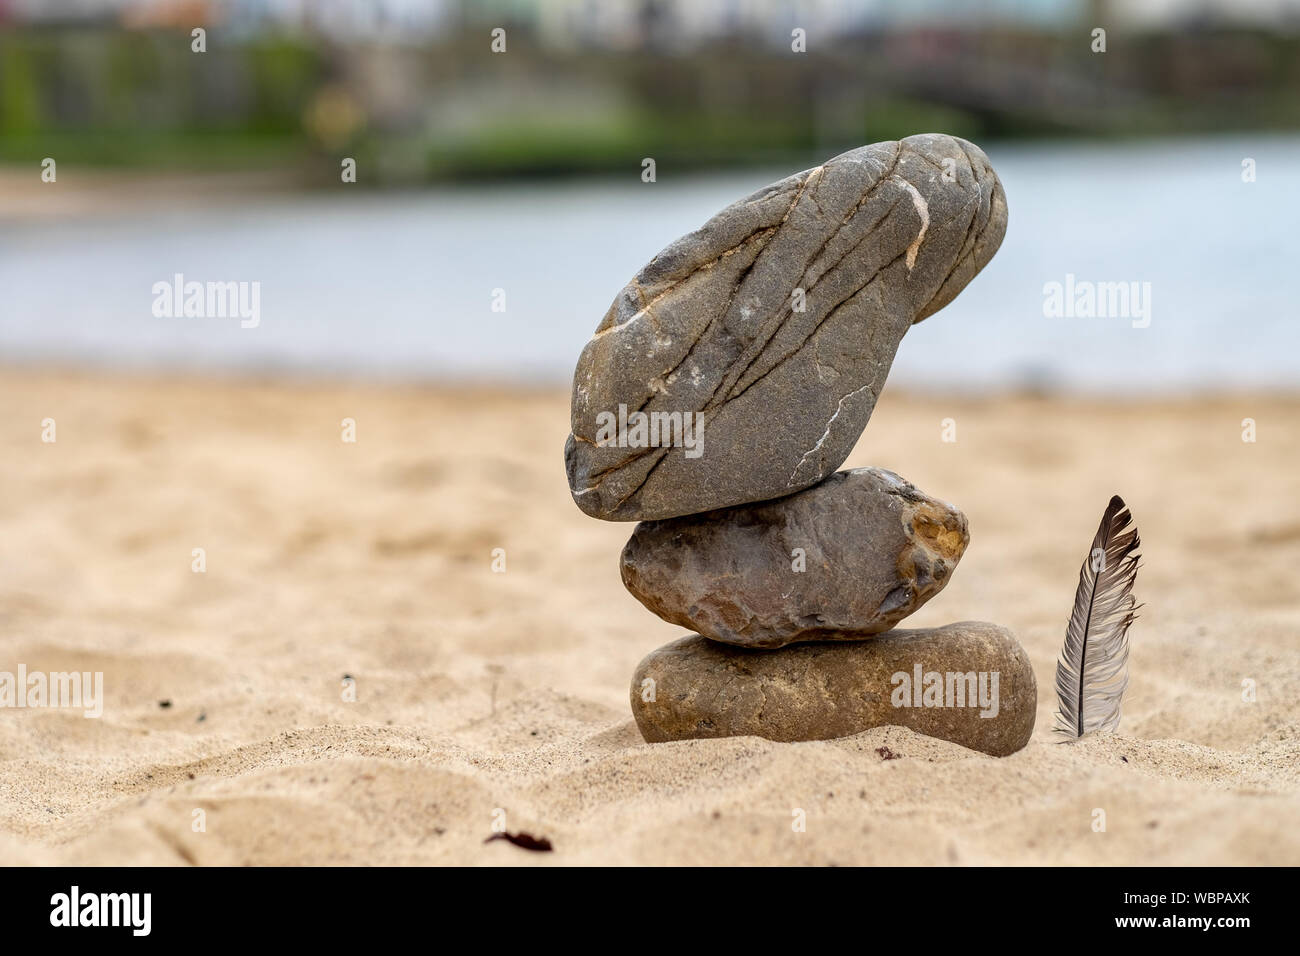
x,y
970,683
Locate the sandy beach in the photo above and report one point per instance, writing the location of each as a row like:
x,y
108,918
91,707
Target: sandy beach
x,y
333,565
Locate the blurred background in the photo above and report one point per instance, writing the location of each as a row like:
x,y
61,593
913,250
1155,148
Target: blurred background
x,y
1172,158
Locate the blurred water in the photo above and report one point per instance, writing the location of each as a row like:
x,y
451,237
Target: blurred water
x,y
400,286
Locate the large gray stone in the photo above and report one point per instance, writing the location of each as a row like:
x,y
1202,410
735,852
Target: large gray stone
x,y
696,688
875,239
842,560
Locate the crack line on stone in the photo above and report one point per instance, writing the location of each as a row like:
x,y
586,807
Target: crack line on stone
x,y
973,232
827,433
729,382
735,289
763,351
830,315
702,267
596,479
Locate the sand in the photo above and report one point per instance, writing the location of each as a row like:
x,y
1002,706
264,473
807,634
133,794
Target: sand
x,y
482,694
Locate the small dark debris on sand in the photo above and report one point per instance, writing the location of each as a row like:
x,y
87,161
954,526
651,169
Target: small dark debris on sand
x,y
525,841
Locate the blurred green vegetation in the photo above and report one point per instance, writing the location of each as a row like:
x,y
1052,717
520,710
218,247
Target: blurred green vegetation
x,y
112,97
134,98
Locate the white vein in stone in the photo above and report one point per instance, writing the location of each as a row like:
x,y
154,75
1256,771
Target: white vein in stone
x,y
826,434
922,210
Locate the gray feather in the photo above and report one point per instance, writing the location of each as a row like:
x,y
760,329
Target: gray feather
x,y
1092,672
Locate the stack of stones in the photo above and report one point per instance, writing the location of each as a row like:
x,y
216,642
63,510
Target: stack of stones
x,y
715,403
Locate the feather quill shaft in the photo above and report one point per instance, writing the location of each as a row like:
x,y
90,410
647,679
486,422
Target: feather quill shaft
x,y
1092,672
